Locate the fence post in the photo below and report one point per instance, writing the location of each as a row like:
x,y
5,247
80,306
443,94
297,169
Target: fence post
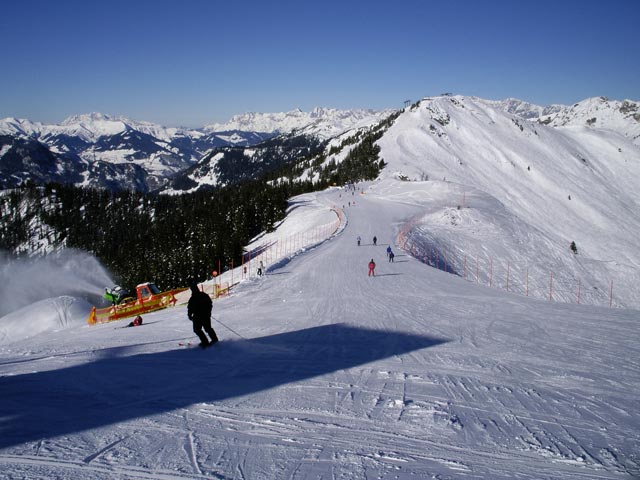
x,y
611,295
578,291
491,273
477,270
465,266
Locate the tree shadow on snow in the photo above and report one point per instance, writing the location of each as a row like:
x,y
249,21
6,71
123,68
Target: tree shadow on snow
x,y
118,388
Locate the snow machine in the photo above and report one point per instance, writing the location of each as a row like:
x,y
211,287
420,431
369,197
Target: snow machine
x,y
148,298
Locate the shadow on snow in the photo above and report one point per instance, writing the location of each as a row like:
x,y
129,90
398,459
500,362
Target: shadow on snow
x,y
118,388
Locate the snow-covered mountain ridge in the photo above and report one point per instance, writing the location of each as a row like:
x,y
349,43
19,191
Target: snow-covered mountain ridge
x,y
103,150
322,122
559,184
612,114
88,127
325,122
599,112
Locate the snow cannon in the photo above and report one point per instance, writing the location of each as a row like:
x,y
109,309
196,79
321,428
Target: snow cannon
x,y
148,298
118,295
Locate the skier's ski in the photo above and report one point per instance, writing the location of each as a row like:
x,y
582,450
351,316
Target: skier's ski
x,y
189,344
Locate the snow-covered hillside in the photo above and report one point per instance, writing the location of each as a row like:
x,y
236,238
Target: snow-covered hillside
x,y
538,186
324,372
602,113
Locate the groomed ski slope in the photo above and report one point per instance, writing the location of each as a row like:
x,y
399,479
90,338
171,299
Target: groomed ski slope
x,y
323,372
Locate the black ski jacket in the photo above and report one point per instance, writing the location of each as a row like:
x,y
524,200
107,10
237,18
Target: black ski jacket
x,y
199,306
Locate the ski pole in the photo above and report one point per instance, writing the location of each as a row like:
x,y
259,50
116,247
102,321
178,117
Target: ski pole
x,y
228,328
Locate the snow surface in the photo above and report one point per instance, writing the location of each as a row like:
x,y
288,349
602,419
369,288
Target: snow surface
x,y
323,372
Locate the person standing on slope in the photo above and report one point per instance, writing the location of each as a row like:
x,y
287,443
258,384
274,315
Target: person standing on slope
x,y
375,241
199,312
391,255
372,268
358,240
388,250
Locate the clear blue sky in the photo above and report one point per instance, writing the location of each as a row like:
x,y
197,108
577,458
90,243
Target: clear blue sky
x,y
194,62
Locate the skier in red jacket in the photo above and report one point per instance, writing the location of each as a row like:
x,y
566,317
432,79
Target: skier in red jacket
x,y
372,268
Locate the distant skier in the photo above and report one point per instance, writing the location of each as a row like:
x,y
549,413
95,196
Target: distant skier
x,y
358,240
199,312
375,241
391,255
260,269
372,268
388,250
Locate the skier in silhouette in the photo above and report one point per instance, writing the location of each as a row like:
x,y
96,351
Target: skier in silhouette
x,y
375,241
199,312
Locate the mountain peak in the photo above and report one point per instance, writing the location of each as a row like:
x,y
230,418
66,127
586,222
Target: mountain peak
x,y
88,118
600,112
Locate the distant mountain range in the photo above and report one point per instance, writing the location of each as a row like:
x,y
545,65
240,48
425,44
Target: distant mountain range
x,y
117,153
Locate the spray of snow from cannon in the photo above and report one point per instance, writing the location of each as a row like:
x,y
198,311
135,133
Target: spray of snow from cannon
x,y
69,272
